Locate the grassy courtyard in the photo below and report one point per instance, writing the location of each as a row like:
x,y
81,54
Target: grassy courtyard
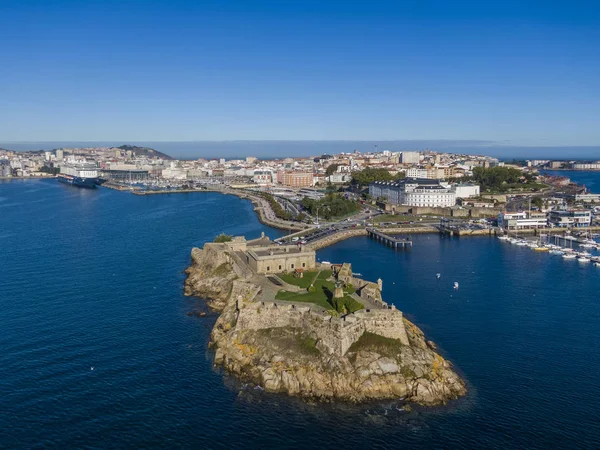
x,y
321,295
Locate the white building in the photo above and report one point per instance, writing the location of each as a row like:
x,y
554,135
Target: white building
x,y
414,192
410,157
576,218
417,173
522,220
587,166
466,190
587,198
339,178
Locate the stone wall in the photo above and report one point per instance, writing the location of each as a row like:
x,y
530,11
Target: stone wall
x,y
334,334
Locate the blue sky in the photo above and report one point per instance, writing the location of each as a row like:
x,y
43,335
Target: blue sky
x,y
513,73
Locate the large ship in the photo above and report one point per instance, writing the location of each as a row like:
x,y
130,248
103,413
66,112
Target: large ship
x,y
80,175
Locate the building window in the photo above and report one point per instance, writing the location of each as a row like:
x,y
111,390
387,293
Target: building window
x,y
303,265
279,267
268,268
292,266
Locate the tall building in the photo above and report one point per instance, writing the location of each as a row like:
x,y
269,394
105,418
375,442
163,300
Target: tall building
x,y
410,157
59,155
414,192
295,179
5,168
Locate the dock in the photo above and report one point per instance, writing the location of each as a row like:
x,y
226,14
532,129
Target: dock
x,y
389,240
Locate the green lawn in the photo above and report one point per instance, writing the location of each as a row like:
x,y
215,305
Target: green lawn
x,y
322,294
307,279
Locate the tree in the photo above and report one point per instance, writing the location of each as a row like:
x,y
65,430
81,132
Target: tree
x,y
369,175
331,169
223,238
537,201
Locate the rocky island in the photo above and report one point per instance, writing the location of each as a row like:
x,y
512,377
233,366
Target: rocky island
x,y
292,325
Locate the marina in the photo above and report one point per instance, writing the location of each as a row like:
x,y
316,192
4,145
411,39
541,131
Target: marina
x,y
568,247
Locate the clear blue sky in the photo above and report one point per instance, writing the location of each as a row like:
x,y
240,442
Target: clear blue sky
x,y
513,72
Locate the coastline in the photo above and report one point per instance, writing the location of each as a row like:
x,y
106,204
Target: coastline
x,y
302,349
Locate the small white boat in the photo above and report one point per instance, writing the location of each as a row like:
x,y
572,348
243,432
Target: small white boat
x,y
438,275
597,264
521,243
583,259
569,256
503,238
556,252
456,285
587,245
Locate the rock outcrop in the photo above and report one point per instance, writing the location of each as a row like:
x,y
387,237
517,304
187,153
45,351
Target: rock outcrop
x,y
211,277
292,359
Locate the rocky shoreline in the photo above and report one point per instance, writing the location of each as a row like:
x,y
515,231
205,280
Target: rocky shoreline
x,y
291,359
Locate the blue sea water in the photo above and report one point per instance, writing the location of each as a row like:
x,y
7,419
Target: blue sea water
x,y
93,279
591,180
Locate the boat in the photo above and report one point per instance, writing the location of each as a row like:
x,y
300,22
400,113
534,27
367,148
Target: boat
x,y
597,264
80,175
456,285
522,243
503,238
569,256
583,259
556,252
541,249
438,275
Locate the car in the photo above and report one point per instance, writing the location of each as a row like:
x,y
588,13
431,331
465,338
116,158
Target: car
x,y
295,239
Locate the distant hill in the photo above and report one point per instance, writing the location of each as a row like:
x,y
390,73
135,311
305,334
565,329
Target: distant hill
x,y
144,151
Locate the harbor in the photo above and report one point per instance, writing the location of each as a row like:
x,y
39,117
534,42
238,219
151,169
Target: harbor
x,y
584,249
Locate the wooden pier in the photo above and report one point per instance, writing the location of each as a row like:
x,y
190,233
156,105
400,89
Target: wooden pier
x,y
389,240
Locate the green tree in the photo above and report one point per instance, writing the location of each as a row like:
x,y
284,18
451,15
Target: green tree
x,y
331,169
223,238
369,175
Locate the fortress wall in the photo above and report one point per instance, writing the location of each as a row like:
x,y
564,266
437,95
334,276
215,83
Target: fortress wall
x,y
324,328
351,331
244,292
335,335
387,323
240,268
214,255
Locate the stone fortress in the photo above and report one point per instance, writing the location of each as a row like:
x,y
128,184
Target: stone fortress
x,y
256,264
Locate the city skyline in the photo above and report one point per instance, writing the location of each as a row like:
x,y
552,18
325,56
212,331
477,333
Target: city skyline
x,y
278,149
148,72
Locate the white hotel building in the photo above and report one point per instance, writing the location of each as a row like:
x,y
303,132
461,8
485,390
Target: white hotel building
x,y
414,192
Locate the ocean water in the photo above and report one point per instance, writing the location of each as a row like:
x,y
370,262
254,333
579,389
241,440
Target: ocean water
x,y
94,280
591,180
